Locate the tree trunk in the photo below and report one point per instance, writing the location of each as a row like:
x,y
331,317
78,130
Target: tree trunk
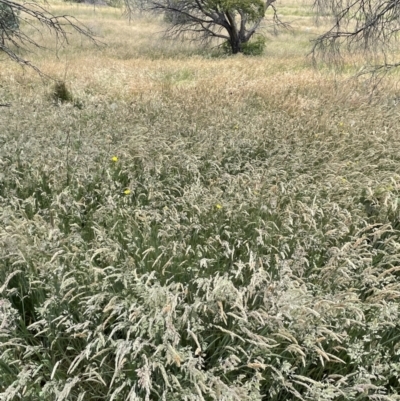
x,y
236,46
234,34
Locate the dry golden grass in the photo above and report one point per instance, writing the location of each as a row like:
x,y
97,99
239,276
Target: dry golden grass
x,y
136,60
194,227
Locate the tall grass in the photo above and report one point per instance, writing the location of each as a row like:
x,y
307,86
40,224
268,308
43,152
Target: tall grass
x,y
197,229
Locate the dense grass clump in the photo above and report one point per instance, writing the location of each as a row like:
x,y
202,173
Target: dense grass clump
x,y
61,93
213,229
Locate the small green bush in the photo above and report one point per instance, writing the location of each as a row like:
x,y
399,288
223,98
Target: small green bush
x,y
254,47
226,47
61,94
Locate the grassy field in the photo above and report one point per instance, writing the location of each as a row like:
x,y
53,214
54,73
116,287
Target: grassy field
x,y
197,227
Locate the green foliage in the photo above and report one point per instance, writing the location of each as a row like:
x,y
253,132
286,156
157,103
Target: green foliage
x,y
61,93
255,46
9,21
232,17
226,47
254,9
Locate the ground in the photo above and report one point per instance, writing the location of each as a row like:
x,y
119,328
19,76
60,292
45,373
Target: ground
x,y
191,226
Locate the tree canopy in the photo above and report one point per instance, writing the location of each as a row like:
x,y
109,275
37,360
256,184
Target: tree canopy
x,y
234,21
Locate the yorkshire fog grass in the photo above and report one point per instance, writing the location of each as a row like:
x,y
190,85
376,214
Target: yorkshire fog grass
x,y
196,228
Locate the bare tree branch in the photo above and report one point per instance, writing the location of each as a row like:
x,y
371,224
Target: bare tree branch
x,y
13,39
369,26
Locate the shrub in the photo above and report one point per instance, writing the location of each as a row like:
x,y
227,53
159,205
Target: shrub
x,y
254,47
61,94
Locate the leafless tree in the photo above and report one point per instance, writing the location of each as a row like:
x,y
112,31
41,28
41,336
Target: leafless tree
x,y
371,26
234,21
15,16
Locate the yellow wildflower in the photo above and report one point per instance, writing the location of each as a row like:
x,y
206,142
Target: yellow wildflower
x,y
218,206
127,191
114,159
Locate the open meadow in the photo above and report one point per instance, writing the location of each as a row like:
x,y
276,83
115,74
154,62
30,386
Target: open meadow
x,y
190,226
